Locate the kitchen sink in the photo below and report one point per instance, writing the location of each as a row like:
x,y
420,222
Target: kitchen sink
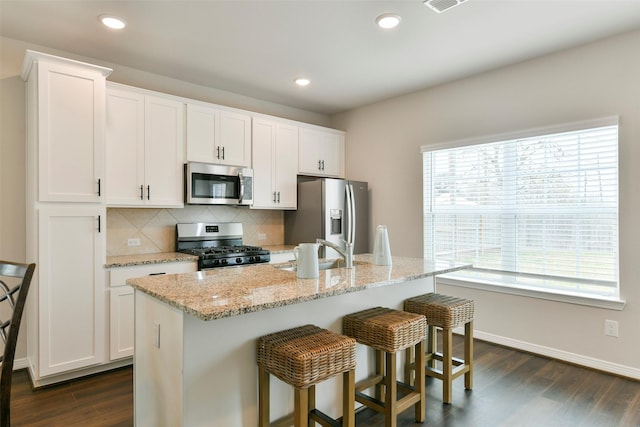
x,y
323,264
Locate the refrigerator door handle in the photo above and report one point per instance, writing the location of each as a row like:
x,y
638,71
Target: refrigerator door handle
x,y
351,217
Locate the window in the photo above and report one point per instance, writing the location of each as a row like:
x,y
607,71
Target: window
x,y
535,210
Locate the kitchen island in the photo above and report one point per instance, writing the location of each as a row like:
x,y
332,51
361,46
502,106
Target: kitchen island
x,y
195,333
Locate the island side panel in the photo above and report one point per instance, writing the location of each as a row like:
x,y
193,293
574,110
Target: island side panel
x,y
157,363
220,372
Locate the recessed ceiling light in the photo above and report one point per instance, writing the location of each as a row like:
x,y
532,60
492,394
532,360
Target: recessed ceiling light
x,y
388,20
113,22
301,81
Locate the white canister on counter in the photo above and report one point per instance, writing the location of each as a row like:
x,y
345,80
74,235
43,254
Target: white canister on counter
x,y
381,249
306,255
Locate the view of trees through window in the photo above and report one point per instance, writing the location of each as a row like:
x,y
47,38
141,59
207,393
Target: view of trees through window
x,y
543,205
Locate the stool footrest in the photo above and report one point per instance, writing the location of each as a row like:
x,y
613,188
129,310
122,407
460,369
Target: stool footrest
x,y
401,404
455,372
438,356
323,419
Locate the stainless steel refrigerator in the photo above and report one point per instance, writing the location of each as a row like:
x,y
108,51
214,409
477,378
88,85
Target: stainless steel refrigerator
x,y
324,211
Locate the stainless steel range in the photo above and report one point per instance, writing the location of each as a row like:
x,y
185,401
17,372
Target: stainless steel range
x,y
218,245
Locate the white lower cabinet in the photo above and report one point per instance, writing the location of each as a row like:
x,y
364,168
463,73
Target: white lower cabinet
x,y
67,302
121,307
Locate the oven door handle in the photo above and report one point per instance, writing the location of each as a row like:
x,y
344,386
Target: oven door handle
x,y
241,179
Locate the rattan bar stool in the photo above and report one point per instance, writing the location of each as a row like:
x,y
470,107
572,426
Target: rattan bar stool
x,y
389,331
303,357
446,312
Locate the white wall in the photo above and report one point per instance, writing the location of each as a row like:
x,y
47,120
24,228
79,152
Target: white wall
x,y
596,80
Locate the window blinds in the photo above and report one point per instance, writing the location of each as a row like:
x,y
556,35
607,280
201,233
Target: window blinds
x,y
543,205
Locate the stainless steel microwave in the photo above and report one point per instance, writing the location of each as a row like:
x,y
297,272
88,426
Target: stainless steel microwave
x,y
208,184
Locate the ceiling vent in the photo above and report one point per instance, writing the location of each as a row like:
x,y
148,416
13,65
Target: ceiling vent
x,y
442,5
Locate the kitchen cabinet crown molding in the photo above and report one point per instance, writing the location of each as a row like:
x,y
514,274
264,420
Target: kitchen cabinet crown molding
x,y
31,57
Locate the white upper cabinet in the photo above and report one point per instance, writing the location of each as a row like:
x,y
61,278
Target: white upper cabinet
x,y
145,146
321,153
216,135
66,102
275,164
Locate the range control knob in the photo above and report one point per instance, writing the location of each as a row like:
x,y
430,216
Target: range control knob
x,y
238,260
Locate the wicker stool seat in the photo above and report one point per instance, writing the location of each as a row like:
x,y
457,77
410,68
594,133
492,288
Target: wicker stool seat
x,y
389,331
303,357
446,312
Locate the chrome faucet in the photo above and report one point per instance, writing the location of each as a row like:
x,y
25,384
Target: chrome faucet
x,y
346,253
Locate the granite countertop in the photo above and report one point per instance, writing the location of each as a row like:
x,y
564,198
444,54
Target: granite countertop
x,y
232,291
142,259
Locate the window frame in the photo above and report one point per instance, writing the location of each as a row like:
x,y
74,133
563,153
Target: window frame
x,y
508,282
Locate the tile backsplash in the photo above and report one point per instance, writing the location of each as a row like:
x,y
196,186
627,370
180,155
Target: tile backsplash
x,y
156,227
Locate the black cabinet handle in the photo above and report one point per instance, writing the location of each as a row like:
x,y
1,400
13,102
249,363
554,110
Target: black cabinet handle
x,y
99,224
99,187
156,274
148,192
218,152
222,153
142,192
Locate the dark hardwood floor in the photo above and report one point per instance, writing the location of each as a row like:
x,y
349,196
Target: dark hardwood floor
x,y
511,388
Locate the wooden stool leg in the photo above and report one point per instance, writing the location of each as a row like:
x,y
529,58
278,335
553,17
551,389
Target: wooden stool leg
x,y
409,365
447,364
420,407
468,354
348,398
391,386
380,387
300,406
263,397
311,399
432,345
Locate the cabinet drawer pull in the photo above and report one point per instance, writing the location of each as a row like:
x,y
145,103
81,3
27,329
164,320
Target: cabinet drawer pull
x,y
156,274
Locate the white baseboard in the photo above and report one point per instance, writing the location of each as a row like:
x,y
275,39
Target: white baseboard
x,y
20,364
578,359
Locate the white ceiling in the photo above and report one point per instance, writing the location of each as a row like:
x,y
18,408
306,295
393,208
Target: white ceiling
x,y
257,48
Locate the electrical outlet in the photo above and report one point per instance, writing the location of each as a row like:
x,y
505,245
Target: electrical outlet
x,y
133,242
611,328
262,236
